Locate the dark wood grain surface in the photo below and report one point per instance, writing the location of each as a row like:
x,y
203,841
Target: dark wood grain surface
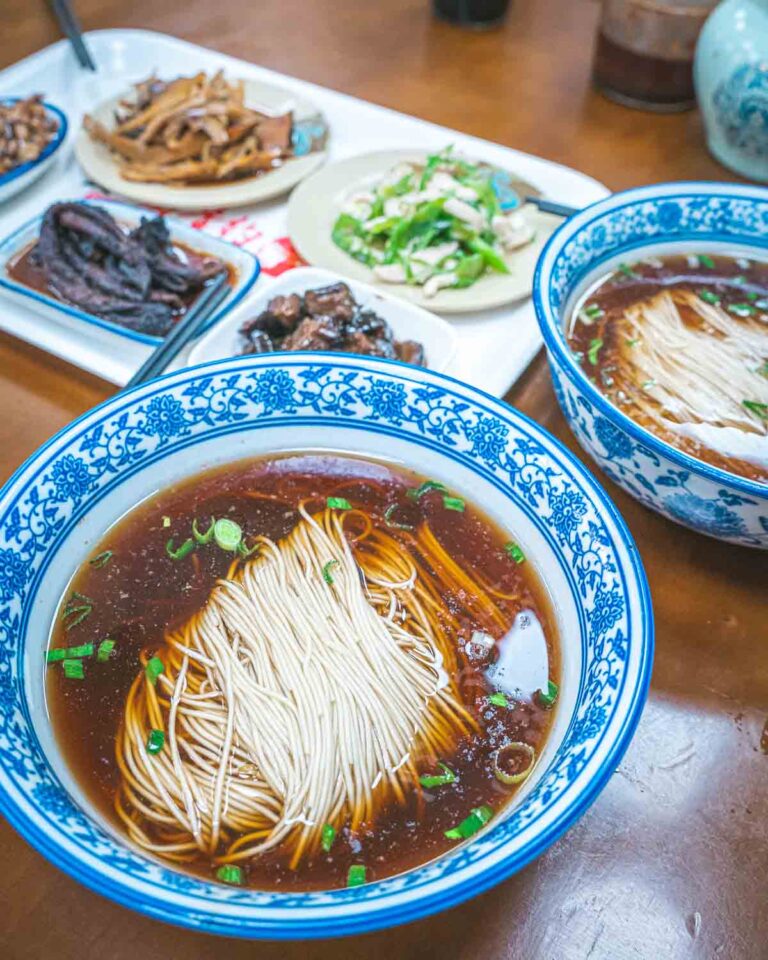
x,y
671,861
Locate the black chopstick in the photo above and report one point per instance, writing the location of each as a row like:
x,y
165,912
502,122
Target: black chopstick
x,y
183,332
71,28
549,206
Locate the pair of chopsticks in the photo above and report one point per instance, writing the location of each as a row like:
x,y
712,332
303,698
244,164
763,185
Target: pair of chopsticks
x,y
549,206
70,27
208,301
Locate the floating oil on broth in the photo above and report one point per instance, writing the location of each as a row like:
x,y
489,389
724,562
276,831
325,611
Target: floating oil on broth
x,y
680,344
139,594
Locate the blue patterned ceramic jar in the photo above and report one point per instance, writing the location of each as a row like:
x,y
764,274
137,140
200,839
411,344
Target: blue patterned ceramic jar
x,y
650,221
731,77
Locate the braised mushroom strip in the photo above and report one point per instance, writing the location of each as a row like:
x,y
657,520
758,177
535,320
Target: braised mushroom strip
x,y
193,130
26,129
137,279
328,318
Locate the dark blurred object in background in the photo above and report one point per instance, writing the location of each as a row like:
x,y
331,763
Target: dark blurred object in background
x,y
644,53
472,13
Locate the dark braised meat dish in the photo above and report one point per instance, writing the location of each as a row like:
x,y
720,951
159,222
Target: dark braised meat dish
x,y
138,279
328,318
26,129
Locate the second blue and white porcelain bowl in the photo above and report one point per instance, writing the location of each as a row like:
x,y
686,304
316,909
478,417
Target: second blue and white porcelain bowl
x,y
650,221
58,504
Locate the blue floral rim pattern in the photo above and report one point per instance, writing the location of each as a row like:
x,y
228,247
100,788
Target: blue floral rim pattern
x,y
648,215
50,148
46,498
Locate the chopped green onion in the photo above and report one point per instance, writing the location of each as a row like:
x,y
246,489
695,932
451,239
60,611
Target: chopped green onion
x,y
627,271
429,780
498,699
764,369
338,503
706,261
75,612
752,295
327,836
708,297
595,346
153,669
327,570
512,753
469,827
227,534
155,741
453,503
741,309
73,669
594,311
393,523
418,492
740,279
69,653
548,698
166,522
230,873
101,560
632,342
184,550
356,875
514,552
105,650
759,409
203,538
243,550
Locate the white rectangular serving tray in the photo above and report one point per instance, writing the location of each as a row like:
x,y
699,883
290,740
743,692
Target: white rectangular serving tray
x,y
494,346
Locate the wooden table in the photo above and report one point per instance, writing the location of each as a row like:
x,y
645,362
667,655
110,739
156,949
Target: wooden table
x,y
671,861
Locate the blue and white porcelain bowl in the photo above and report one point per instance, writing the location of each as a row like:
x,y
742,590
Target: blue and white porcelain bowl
x,y
21,177
55,508
650,221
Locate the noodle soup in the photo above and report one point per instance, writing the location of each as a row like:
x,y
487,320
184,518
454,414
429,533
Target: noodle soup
x,y
303,672
680,345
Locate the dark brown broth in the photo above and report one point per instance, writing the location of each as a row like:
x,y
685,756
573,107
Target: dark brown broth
x,y
734,281
141,591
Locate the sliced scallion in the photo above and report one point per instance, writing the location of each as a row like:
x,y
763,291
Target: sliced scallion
x,y
327,575
230,873
105,649
227,534
510,756
356,875
595,346
453,503
706,261
327,836
153,669
418,492
759,409
627,271
69,653
741,309
498,699
203,538
338,503
393,523
469,827
708,297
430,780
548,698
73,669
101,559
514,552
593,311
155,741
244,551
183,551
77,608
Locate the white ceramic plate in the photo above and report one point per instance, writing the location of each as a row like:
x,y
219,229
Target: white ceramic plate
x,y
21,177
315,205
103,167
408,322
246,268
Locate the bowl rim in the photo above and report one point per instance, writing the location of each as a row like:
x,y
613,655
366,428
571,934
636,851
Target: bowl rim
x,y
372,916
50,148
554,337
